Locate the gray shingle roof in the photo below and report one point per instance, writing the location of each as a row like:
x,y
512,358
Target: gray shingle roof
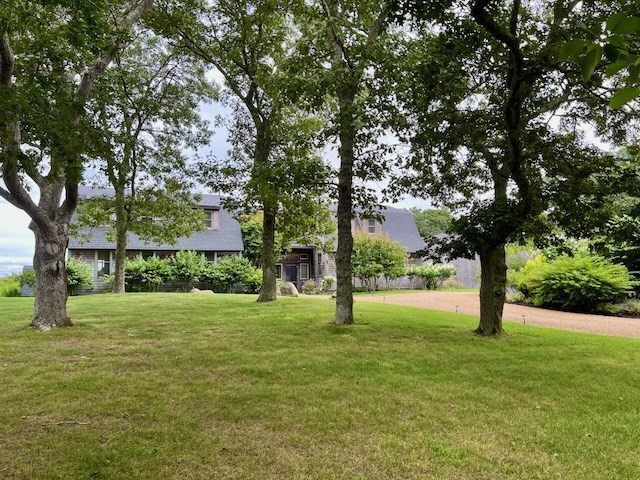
x,y
228,238
400,226
207,200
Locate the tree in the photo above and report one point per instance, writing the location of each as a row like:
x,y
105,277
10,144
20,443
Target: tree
x,y
51,54
148,116
431,221
345,45
376,256
485,91
273,163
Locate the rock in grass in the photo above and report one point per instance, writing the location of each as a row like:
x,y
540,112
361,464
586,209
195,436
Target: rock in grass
x,y
197,291
287,289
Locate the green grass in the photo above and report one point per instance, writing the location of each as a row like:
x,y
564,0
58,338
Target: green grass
x,y
173,386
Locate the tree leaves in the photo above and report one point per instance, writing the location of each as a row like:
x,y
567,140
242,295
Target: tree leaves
x,y
624,96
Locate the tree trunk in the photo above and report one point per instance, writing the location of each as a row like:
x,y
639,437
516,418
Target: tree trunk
x,y
51,278
344,285
120,260
493,278
267,255
121,243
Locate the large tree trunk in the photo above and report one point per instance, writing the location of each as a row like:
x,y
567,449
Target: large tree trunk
x,y
51,278
344,285
267,255
120,260
493,278
121,243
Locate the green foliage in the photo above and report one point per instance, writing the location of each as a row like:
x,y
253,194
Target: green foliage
x,y
233,269
431,221
328,282
376,256
310,288
251,227
10,286
628,308
431,276
28,278
188,267
579,282
146,275
79,275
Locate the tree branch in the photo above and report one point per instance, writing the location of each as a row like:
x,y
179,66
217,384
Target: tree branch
x,y
7,61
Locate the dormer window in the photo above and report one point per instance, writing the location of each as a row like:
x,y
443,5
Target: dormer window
x,y
212,219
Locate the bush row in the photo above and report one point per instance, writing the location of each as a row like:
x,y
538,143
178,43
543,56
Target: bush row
x,y
188,268
79,276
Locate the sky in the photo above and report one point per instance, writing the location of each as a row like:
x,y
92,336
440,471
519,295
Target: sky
x,y
17,242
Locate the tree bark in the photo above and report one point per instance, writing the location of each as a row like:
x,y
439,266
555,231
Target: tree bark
x,y
51,278
267,255
493,278
347,134
122,221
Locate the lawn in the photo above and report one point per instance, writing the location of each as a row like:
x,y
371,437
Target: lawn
x,y
173,386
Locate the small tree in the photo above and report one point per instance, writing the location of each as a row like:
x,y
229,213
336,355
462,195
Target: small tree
x,y
228,271
376,256
146,275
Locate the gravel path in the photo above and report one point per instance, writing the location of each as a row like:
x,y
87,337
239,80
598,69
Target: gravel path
x,y
469,302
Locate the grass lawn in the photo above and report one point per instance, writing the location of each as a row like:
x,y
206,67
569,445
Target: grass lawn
x,y
173,386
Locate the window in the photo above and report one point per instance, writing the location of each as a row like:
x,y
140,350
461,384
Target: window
x,y
278,271
104,262
372,225
304,256
304,271
210,256
145,254
212,219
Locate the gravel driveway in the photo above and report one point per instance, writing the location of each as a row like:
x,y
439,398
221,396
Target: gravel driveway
x,y
469,302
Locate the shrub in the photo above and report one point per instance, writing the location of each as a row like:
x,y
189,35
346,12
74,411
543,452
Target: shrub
x,y
310,288
228,271
431,276
515,297
327,282
376,256
189,267
145,275
452,283
628,308
10,286
79,275
579,282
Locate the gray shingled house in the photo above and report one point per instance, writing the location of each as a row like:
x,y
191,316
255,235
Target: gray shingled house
x,y
222,237
305,263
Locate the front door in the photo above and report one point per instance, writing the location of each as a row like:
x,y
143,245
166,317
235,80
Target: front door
x,y
291,274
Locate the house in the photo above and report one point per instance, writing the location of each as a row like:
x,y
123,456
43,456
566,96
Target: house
x,y
222,237
305,262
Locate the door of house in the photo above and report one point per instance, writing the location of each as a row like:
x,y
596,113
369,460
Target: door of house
x,y
291,274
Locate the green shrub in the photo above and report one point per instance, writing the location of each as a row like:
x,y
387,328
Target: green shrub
x,y
79,275
376,256
431,277
515,297
10,286
230,270
189,267
327,282
310,288
628,308
579,282
145,275
28,278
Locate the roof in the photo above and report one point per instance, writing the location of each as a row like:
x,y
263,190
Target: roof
x,y
206,200
401,227
228,237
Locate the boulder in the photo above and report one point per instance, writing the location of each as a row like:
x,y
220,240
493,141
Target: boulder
x,y
287,289
197,291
